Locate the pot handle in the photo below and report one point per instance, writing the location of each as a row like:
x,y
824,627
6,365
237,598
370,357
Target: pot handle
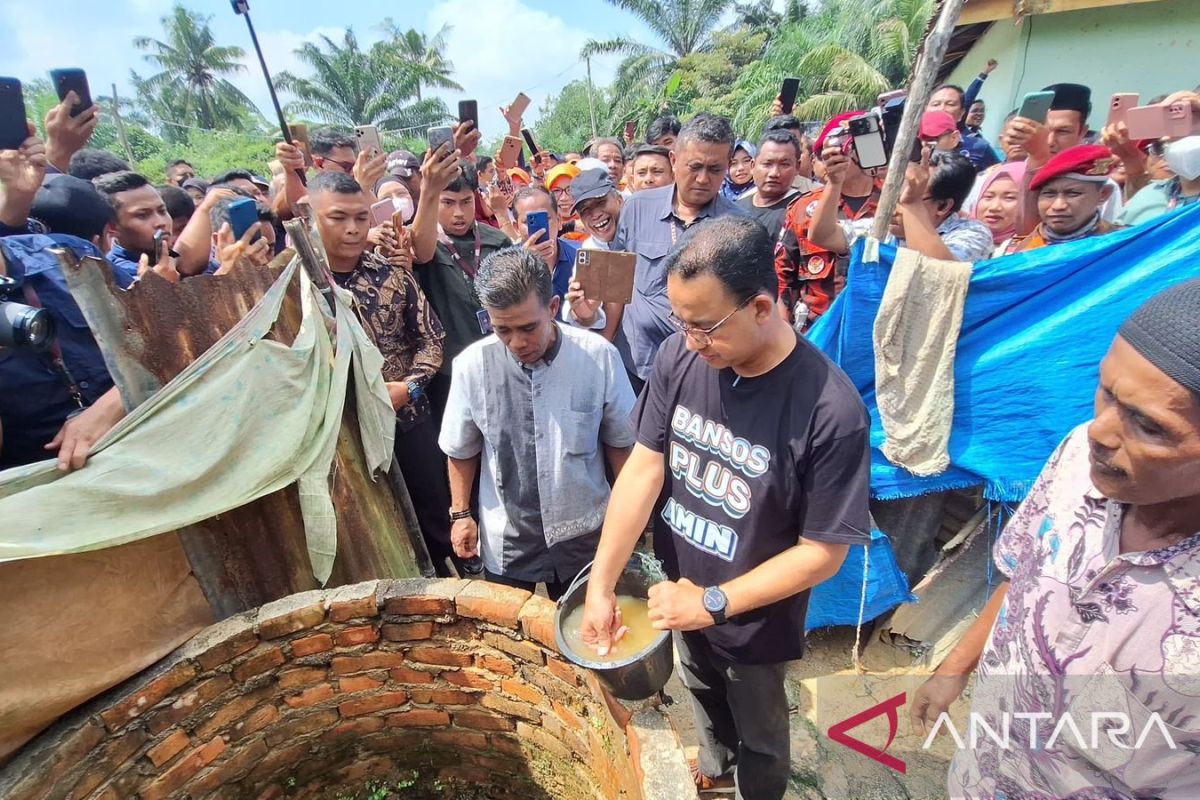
x,y
583,575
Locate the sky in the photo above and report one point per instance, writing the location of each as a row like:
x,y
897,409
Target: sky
x,y
498,47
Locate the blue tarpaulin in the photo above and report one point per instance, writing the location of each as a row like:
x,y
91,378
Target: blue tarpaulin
x,y
1035,328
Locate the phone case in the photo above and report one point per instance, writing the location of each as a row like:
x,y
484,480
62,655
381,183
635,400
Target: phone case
x,y
1119,107
533,147
1146,122
66,80
12,115
788,92
299,133
870,151
1036,106
368,139
436,137
381,212
519,104
242,214
606,275
538,221
510,152
468,110
1179,120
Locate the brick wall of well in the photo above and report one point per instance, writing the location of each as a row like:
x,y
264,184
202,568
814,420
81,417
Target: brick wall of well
x,y
454,686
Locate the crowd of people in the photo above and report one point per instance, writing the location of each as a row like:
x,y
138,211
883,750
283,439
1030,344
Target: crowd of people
x,y
539,429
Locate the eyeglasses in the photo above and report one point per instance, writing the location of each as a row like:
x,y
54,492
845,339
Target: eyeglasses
x,y
703,337
345,166
1156,149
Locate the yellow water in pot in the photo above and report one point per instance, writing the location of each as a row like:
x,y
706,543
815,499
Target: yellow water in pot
x,y
635,614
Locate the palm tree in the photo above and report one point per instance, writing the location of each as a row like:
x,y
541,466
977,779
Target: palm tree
x,y
845,57
351,86
683,26
421,57
192,71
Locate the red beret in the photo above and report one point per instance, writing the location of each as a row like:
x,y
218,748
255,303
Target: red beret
x,y
832,126
1085,162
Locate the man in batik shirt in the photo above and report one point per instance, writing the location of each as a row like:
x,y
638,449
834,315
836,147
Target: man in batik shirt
x,y
1089,655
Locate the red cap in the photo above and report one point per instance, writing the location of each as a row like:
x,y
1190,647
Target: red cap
x,y
1085,162
832,126
935,124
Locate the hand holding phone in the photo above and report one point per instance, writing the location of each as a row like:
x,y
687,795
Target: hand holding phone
x,y
1036,106
787,94
509,153
382,212
243,214
368,140
299,133
468,111
13,128
441,135
536,221
1119,106
72,80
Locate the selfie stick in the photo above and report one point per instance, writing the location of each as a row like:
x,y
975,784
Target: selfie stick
x,y
242,9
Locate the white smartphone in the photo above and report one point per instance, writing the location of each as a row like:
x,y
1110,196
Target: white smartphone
x,y
368,139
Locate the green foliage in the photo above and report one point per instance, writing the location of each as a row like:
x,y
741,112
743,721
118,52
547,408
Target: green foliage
x,y
845,53
565,122
191,86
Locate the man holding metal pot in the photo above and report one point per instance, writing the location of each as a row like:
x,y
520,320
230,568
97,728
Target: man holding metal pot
x,y
759,446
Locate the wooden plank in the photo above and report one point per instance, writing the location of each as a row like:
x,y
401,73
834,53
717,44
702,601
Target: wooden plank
x,y
995,10
937,40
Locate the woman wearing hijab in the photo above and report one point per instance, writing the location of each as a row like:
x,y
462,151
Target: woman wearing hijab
x,y
1000,200
740,178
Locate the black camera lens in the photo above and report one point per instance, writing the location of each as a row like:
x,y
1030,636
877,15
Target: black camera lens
x,y
25,326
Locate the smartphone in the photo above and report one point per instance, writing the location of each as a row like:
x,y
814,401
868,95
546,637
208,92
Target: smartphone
x,y
1146,122
382,212
868,141
519,104
1120,105
887,97
1036,106
1179,120
398,222
242,214
631,129
441,135
893,113
606,275
510,152
533,148
13,131
66,80
468,111
787,94
299,133
538,221
160,245
368,139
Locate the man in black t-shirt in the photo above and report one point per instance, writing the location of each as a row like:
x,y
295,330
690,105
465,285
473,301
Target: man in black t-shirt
x,y
761,445
774,170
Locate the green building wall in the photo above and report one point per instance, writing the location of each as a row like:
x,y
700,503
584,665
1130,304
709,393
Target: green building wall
x,y
1149,48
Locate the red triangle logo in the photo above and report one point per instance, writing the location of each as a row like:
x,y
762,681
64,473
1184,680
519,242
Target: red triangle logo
x,y
890,707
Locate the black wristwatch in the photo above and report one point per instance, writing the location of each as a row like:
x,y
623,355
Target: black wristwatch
x,y
715,603
455,516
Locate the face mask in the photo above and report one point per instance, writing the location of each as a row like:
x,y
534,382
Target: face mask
x,y
1183,157
404,205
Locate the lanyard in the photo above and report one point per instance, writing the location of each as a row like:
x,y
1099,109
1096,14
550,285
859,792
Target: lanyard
x,y
56,351
468,270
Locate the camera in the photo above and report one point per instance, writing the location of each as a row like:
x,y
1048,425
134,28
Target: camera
x,y
22,325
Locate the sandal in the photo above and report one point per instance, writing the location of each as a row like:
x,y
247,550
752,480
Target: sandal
x,y
709,785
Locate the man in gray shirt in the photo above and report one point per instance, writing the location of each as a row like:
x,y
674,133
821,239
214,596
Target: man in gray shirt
x,y
651,223
534,411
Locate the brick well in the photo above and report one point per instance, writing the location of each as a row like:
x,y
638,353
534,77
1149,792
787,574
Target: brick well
x,y
453,687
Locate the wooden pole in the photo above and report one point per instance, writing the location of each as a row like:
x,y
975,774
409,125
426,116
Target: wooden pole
x,y
116,106
920,89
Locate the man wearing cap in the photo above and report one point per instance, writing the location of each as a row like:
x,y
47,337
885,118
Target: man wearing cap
x,y
1099,616
740,178
954,101
939,129
1070,191
597,202
1066,127
59,402
811,276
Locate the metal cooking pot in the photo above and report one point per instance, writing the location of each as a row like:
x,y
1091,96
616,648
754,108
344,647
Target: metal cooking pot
x,y
642,674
